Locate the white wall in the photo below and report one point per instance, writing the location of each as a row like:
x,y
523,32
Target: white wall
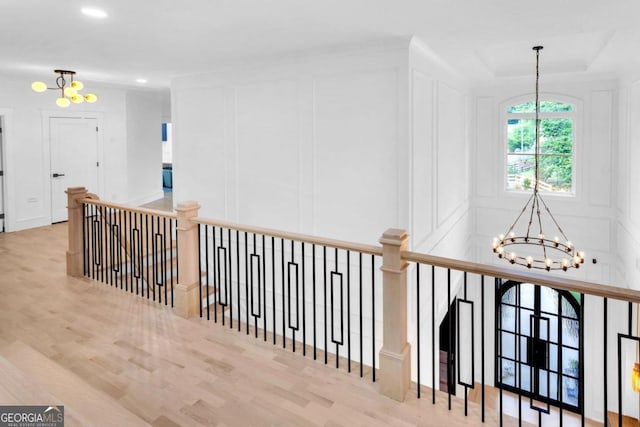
x,y
144,146
309,143
628,192
27,147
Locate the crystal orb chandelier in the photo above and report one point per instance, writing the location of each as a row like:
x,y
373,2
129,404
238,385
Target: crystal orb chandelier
x,y
534,248
68,87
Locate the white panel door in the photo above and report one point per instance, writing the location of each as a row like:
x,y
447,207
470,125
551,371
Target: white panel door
x,y
74,159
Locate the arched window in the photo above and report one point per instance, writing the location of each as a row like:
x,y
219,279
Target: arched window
x,y
557,124
538,334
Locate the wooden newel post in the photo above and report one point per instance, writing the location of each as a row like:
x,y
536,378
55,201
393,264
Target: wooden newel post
x,y
75,254
187,302
395,355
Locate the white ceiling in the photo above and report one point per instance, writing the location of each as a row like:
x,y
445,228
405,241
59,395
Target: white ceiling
x,y
160,39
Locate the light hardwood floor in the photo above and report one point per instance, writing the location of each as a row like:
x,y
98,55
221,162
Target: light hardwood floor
x,y
114,359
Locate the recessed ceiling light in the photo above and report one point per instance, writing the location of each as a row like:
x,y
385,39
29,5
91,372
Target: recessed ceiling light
x,y
141,80
94,12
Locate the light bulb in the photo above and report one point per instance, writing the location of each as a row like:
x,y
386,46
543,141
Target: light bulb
x,y
77,99
541,237
90,98
581,255
63,102
512,236
501,237
565,264
77,85
556,241
500,251
495,243
548,262
512,257
39,86
529,261
70,92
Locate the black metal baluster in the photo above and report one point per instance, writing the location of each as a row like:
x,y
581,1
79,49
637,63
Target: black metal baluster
x,y
418,328
206,268
230,279
332,310
216,288
304,303
264,288
284,334
84,239
581,362
159,259
246,277
518,329
324,275
164,260
154,259
433,335
605,367
373,317
360,310
238,281
215,269
482,344
199,271
449,317
499,344
273,285
293,330
348,311
174,260
149,257
93,242
559,376
313,275
120,249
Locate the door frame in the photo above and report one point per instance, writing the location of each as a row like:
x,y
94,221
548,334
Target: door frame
x,y
47,115
9,195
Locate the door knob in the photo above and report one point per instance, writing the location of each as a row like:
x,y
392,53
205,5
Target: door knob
x,y
56,175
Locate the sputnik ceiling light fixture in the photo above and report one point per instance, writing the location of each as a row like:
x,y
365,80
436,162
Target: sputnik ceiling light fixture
x,y
68,89
539,251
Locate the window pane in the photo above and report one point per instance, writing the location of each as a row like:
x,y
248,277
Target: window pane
x,y
556,173
527,298
525,379
508,345
570,332
556,136
545,107
570,362
570,391
521,135
508,318
549,300
553,357
508,372
525,322
509,296
567,309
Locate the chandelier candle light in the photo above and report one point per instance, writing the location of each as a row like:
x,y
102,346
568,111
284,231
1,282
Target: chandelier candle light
x,y
540,252
68,94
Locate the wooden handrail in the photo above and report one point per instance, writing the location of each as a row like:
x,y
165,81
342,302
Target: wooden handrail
x,y
155,212
556,282
340,244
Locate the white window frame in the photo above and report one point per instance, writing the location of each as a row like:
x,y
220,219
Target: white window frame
x,y
575,115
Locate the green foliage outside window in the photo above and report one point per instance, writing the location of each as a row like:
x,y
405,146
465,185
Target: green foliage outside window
x,y
556,147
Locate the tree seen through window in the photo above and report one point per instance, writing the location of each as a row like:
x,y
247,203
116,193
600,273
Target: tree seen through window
x,y
556,146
